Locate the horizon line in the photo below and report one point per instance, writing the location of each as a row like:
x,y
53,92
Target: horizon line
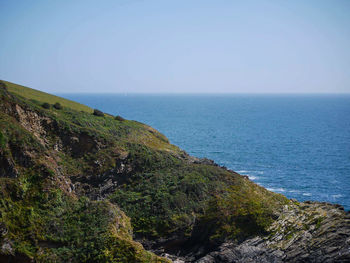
x,y
188,93
204,93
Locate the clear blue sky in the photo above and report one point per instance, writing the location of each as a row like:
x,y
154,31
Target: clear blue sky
x,y
176,46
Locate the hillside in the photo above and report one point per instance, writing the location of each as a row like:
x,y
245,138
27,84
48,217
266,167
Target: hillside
x,y
39,96
78,187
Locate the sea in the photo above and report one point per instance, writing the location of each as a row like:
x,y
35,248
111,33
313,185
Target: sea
x,y
296,145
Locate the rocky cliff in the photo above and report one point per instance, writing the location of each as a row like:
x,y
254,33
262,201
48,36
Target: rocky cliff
x,y
78,187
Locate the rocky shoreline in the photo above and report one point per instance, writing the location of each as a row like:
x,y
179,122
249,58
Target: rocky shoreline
x,y
303,232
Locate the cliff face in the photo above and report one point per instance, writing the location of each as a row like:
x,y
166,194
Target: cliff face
x,y
304,232
77,187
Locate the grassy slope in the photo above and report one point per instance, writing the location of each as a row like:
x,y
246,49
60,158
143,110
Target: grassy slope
x,y
80,115
42,97
163,192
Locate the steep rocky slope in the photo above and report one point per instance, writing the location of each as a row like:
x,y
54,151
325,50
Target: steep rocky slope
x,y
77,187
304,232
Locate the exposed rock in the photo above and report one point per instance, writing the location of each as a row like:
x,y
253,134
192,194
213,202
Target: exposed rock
x,y
305,232
6,247
7,167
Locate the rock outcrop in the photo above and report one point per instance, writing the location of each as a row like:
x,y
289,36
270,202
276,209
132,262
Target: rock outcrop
x,y
304,232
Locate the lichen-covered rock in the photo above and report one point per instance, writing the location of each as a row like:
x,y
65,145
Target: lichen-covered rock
x,y
304,232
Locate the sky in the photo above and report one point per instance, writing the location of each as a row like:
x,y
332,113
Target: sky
x,y
177,46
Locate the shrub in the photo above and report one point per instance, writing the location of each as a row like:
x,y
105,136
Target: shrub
x,y
2,85
46,105
119,118
57,106
98,113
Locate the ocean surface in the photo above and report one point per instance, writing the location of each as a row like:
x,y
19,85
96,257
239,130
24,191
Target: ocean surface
x,y
297,145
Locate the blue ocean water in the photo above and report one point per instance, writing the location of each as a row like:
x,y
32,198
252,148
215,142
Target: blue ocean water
x,y
297,145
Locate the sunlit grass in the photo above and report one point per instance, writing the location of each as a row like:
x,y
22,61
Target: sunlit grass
x,y
43,97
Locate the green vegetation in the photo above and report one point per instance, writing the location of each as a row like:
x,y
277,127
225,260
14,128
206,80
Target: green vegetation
x,y
318,222
59,161
245,210
42,219
75,119
42,97
164,201
2,140
165,195
51,226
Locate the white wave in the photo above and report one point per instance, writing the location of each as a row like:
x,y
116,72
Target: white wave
x,y
337,196
276,189
250,176
294,191
249,173
242,171
307,194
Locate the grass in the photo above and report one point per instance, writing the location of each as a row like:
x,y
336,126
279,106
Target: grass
x,y
78,116
43,97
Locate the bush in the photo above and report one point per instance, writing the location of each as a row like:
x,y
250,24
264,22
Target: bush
x,y
98,113
46,105
119,118
2,85
57,106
